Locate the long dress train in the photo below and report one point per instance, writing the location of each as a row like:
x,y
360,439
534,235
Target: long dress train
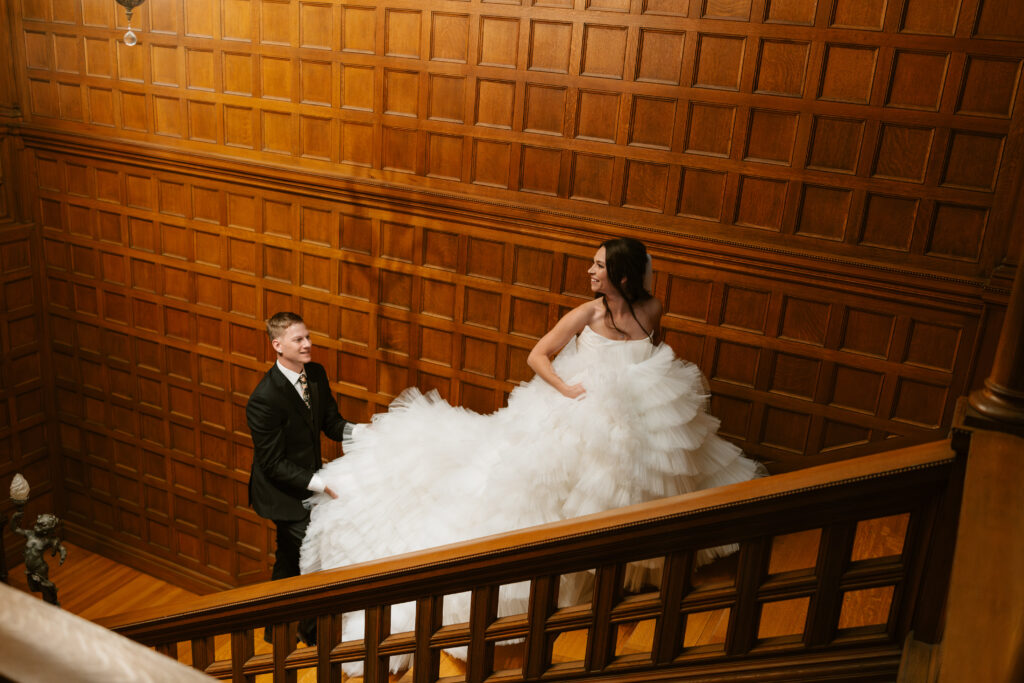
x,y
427,473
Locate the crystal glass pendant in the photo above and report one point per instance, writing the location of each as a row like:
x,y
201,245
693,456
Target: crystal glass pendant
x,y
129,5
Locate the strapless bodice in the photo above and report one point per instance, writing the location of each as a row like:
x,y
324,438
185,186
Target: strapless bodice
x,y
589,342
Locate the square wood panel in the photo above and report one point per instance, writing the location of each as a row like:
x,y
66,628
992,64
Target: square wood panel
x,y
660,56
719,61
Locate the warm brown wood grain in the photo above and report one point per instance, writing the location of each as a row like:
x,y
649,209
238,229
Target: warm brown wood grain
x,y
93,586
878,131
982,639
24,412
1000,398
827,186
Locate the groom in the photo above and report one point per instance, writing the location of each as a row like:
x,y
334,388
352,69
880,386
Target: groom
x,y
286,412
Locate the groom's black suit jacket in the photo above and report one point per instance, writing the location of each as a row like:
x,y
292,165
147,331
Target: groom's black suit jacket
x,y
286,440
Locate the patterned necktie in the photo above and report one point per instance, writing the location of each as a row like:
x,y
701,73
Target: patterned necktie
x,y
305,389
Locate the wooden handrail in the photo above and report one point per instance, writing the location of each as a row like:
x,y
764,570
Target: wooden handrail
x,y
833,498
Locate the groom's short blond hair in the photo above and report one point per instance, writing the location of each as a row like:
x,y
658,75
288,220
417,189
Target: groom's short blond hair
x,y
279,322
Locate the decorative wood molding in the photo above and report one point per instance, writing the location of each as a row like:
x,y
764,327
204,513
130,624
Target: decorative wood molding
x,y
879,278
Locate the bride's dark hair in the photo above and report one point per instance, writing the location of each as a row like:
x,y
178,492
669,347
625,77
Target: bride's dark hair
x,y
625,261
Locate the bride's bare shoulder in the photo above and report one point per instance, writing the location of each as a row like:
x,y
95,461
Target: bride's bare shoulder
x,y
575,320
592,310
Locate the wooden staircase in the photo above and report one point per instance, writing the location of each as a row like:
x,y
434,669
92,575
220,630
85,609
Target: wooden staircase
x,y
837,565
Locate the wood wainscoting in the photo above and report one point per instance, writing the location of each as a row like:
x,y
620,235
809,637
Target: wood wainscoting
x,y
26,413
158,282
828,188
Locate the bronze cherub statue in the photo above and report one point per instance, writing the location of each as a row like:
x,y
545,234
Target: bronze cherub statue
x,y
40,538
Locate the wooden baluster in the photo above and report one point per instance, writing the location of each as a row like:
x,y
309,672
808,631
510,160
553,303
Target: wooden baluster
x,y
378,624
601,642
753,565
169,649
543,595
328,634
427,662
242,649
920,523
284,636
930,611
826,603
483,610
668,636
203,652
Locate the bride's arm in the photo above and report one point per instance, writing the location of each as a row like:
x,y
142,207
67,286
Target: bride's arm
x,y
539,360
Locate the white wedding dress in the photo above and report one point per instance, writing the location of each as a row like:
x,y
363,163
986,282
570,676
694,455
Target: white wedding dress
x,y
426,473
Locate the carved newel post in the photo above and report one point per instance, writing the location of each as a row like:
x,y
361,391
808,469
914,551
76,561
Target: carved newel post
x,y
40,538
1002,397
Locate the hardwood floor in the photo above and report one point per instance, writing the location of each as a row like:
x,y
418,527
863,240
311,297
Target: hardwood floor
x,y
93,586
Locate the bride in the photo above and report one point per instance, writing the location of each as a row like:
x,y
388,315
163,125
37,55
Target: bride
x,y
612,418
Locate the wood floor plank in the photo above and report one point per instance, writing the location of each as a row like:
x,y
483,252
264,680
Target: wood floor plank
x,y
93,586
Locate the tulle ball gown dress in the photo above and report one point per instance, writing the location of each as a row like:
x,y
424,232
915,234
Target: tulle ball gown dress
x,y
427,473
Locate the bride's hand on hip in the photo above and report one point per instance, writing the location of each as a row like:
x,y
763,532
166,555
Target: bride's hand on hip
x,y
574,391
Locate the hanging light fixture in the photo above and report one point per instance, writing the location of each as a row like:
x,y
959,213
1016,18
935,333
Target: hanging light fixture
x,y
129,5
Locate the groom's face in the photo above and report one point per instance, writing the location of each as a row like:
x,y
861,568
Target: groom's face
x,y
294,346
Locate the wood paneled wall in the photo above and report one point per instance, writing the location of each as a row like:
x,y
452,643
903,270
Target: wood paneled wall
x,y
827,187
157,285
864,129
25,412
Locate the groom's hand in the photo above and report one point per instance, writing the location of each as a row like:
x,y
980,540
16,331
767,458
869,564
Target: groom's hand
x,y
351,428
330,492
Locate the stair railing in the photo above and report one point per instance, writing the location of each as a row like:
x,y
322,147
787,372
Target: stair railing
x,y
723,629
